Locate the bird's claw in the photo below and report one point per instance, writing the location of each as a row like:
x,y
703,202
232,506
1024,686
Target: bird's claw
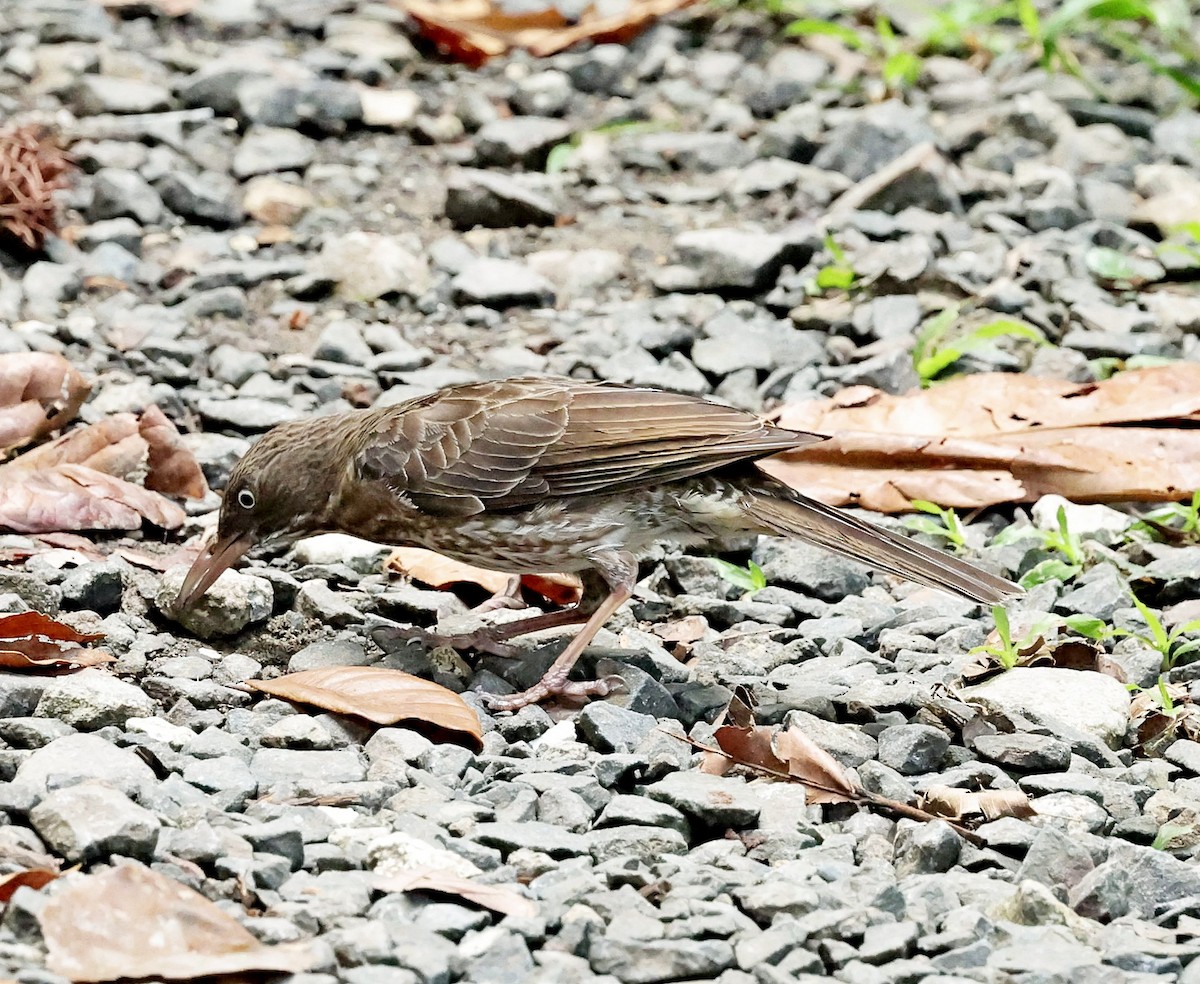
x,y
480,640
552,686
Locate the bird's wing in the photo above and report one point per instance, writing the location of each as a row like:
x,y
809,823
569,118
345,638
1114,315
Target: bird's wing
x,y
510,443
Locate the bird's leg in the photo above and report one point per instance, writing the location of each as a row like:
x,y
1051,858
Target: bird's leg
x,y
493,638
507,597
619,570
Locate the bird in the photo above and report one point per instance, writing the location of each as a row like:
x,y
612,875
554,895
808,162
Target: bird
x,y
538,474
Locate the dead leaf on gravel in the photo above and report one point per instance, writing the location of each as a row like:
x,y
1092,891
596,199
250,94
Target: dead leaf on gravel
x,y
1156,726
443,572
472,31
31,642
1042,644
498,898
89,478
964,806
131,922
39,393
1002,437
382,696
171,467
34,878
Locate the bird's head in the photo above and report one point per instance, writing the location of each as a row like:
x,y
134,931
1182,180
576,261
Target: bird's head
x,y
282,488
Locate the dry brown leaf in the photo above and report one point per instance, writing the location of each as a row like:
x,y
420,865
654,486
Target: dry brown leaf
x,y
498,898
808,763
472,31
443,572
131,922
33,642
963,806
89,478
34,878
172,468
1001,437
1042,644
39,393
380,695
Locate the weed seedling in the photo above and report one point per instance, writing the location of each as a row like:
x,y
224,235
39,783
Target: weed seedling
x,y
950,528
934,353
1061,540
749,578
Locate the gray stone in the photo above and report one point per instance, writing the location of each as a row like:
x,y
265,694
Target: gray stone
x,y
922,848
265,149
730,259
809,569
648,844
90,822
78,758
209,198
370,265
1097,704
277,765
92,699
531,835
233,602
1025,752
646,962
912,749
501,284
96,94
525,140
117,193
709,801
495,201
609,728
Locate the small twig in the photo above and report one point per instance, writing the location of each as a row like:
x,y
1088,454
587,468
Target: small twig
x,y
911,160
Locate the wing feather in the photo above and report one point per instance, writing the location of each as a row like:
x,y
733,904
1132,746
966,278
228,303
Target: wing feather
x,y
510,443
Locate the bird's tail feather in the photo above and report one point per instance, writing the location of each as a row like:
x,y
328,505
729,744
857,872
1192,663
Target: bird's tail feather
x,y
789,513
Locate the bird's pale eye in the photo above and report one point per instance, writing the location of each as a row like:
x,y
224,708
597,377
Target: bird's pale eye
x,y
245,499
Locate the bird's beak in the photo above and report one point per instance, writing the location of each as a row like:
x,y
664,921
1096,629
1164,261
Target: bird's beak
x,y
220,554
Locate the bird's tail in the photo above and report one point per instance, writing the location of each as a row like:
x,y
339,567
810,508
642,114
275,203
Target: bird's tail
x,y
787,512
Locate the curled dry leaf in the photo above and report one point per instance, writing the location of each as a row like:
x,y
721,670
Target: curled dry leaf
x,y
443,572
498,898
89,478
34,878
472,31
33,642
171,467
786,754
1001,437
39,393
963,806
1043,645
131,922
380,695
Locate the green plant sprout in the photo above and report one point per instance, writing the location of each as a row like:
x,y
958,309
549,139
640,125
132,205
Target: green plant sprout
x,y
1167,833
1159,34
838,275
1060,540
933,354
1171,646
1008,652
949,529
749,578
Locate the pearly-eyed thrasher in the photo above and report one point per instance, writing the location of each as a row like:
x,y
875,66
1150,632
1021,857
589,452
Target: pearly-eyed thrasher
x,y
536,475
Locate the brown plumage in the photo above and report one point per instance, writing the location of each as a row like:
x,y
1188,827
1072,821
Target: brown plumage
x,y
540,474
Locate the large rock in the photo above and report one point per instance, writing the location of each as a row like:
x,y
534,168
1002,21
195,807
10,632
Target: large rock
x,y
1091,702
234,601
92,699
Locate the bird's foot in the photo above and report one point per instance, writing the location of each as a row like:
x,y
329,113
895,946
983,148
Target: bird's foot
x,y
481,640
507,598
552,685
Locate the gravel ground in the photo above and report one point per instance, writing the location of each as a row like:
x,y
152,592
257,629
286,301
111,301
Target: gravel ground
x,y
307,215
